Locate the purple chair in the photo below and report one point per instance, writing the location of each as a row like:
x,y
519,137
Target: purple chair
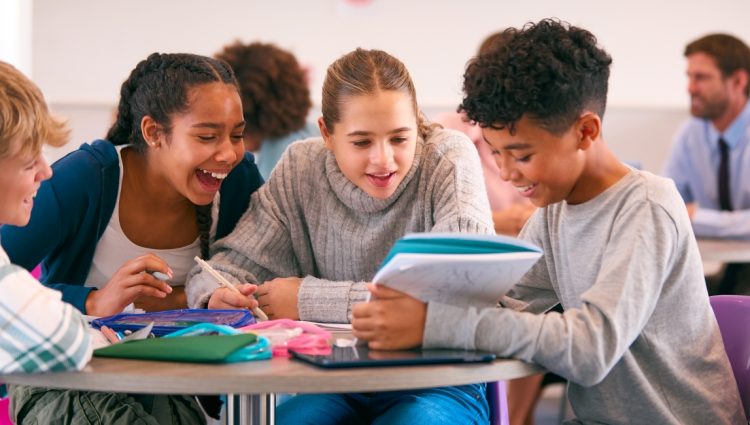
x,y
498,403
733,314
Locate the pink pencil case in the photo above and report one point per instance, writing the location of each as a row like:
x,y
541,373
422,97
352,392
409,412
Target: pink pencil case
x,y
286,334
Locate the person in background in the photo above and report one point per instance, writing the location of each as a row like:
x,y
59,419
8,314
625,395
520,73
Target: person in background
x,y
331,210
38,331
171,177
275,99
710,159
509,209
637,341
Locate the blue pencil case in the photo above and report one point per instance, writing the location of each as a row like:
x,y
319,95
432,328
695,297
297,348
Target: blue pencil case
x,y
169,321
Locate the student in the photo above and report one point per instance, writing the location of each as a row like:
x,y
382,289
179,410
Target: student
x,y
333,207
39,332
275,99
144,200
509,209
637,341
718,71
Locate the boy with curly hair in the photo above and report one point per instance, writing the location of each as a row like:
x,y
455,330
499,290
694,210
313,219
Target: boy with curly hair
x,y
637,339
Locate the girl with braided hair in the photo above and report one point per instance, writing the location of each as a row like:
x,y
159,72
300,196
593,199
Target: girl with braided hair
x,y
171,177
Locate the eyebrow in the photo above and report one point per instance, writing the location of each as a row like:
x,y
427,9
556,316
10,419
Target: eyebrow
x,y
367,133
515,146
216,126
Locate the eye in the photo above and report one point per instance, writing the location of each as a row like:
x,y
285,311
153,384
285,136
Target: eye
x,y
525,158
361,143
206,137
399,140
237,137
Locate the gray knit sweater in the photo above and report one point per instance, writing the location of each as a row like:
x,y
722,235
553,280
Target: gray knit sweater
x,y
310,221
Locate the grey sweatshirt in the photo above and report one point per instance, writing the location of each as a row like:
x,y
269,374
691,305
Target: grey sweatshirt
x,y
638,340
310,221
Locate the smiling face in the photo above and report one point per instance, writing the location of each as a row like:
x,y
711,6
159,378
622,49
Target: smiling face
x,y
709,90
204,143
543,167
21,174
375,140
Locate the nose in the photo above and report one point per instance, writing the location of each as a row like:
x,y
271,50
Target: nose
x,y
381,154
228,152
505,165
44,171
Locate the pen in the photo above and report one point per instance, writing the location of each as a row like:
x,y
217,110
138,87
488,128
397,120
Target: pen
x,y
222,281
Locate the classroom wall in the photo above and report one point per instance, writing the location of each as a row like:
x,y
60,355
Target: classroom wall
x,y
83,49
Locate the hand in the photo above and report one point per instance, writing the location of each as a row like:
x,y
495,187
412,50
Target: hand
x,y
278,298
691,208
130,282
175,301
225,298
392,320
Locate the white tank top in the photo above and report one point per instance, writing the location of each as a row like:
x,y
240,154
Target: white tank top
x,y
114,248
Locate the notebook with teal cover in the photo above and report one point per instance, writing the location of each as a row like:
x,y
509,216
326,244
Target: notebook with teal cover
x,y
456,268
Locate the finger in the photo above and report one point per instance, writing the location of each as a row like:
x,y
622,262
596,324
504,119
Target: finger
x,y
149,280
247,289
134,292
362,310
148,262
237,300
384,292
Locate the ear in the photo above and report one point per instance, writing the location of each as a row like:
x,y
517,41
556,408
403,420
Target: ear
x,y
325,134
740,79
589,129
151,131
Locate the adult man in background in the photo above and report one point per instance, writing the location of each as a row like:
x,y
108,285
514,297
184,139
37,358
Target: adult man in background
x,y
710,161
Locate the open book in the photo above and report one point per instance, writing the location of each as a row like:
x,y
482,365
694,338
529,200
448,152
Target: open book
x,y
456,268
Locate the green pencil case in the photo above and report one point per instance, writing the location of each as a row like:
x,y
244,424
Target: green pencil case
x,y
190,349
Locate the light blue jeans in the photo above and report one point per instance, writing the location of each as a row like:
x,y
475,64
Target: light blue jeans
x,y
432,406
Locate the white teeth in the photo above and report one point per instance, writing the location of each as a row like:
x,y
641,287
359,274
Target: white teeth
x,y
33,195
524,188
220,176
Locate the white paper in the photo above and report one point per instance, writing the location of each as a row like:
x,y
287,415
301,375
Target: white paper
x,y
457,279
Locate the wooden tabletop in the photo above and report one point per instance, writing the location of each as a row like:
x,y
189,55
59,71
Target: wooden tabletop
x,y
278,375
724,250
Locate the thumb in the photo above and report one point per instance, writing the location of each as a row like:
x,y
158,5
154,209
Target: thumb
x,y
247,288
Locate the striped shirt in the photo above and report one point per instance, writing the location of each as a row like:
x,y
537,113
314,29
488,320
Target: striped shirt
x,y
38,331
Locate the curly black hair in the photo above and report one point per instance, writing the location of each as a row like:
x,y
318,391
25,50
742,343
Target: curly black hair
x,y
549,71
273,87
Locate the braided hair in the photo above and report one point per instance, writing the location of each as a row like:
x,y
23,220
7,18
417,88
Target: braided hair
x,y
158,87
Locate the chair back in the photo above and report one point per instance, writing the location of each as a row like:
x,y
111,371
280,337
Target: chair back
x,y
733,314
498,402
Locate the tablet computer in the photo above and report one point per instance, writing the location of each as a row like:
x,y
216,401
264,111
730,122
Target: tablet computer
x,y
361,356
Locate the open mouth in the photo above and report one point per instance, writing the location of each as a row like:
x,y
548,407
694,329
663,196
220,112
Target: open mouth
x,y
381,180
210,180
526,190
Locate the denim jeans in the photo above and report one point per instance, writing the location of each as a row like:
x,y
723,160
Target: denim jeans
x,y
447,405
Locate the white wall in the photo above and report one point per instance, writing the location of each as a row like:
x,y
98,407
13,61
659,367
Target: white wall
x,y
84,49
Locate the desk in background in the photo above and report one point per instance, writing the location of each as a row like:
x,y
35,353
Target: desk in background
x,y
256,382
724,250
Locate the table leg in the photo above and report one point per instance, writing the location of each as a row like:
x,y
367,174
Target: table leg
x,y
251,409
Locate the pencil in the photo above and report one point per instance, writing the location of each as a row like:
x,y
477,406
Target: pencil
x,y
222,281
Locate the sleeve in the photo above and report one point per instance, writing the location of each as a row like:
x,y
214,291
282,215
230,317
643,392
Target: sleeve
x,y
678,167
40,332
58,206
260,246
582,344
457,188
710,223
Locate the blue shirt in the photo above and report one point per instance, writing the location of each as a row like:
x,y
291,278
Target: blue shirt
x,y
694,167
